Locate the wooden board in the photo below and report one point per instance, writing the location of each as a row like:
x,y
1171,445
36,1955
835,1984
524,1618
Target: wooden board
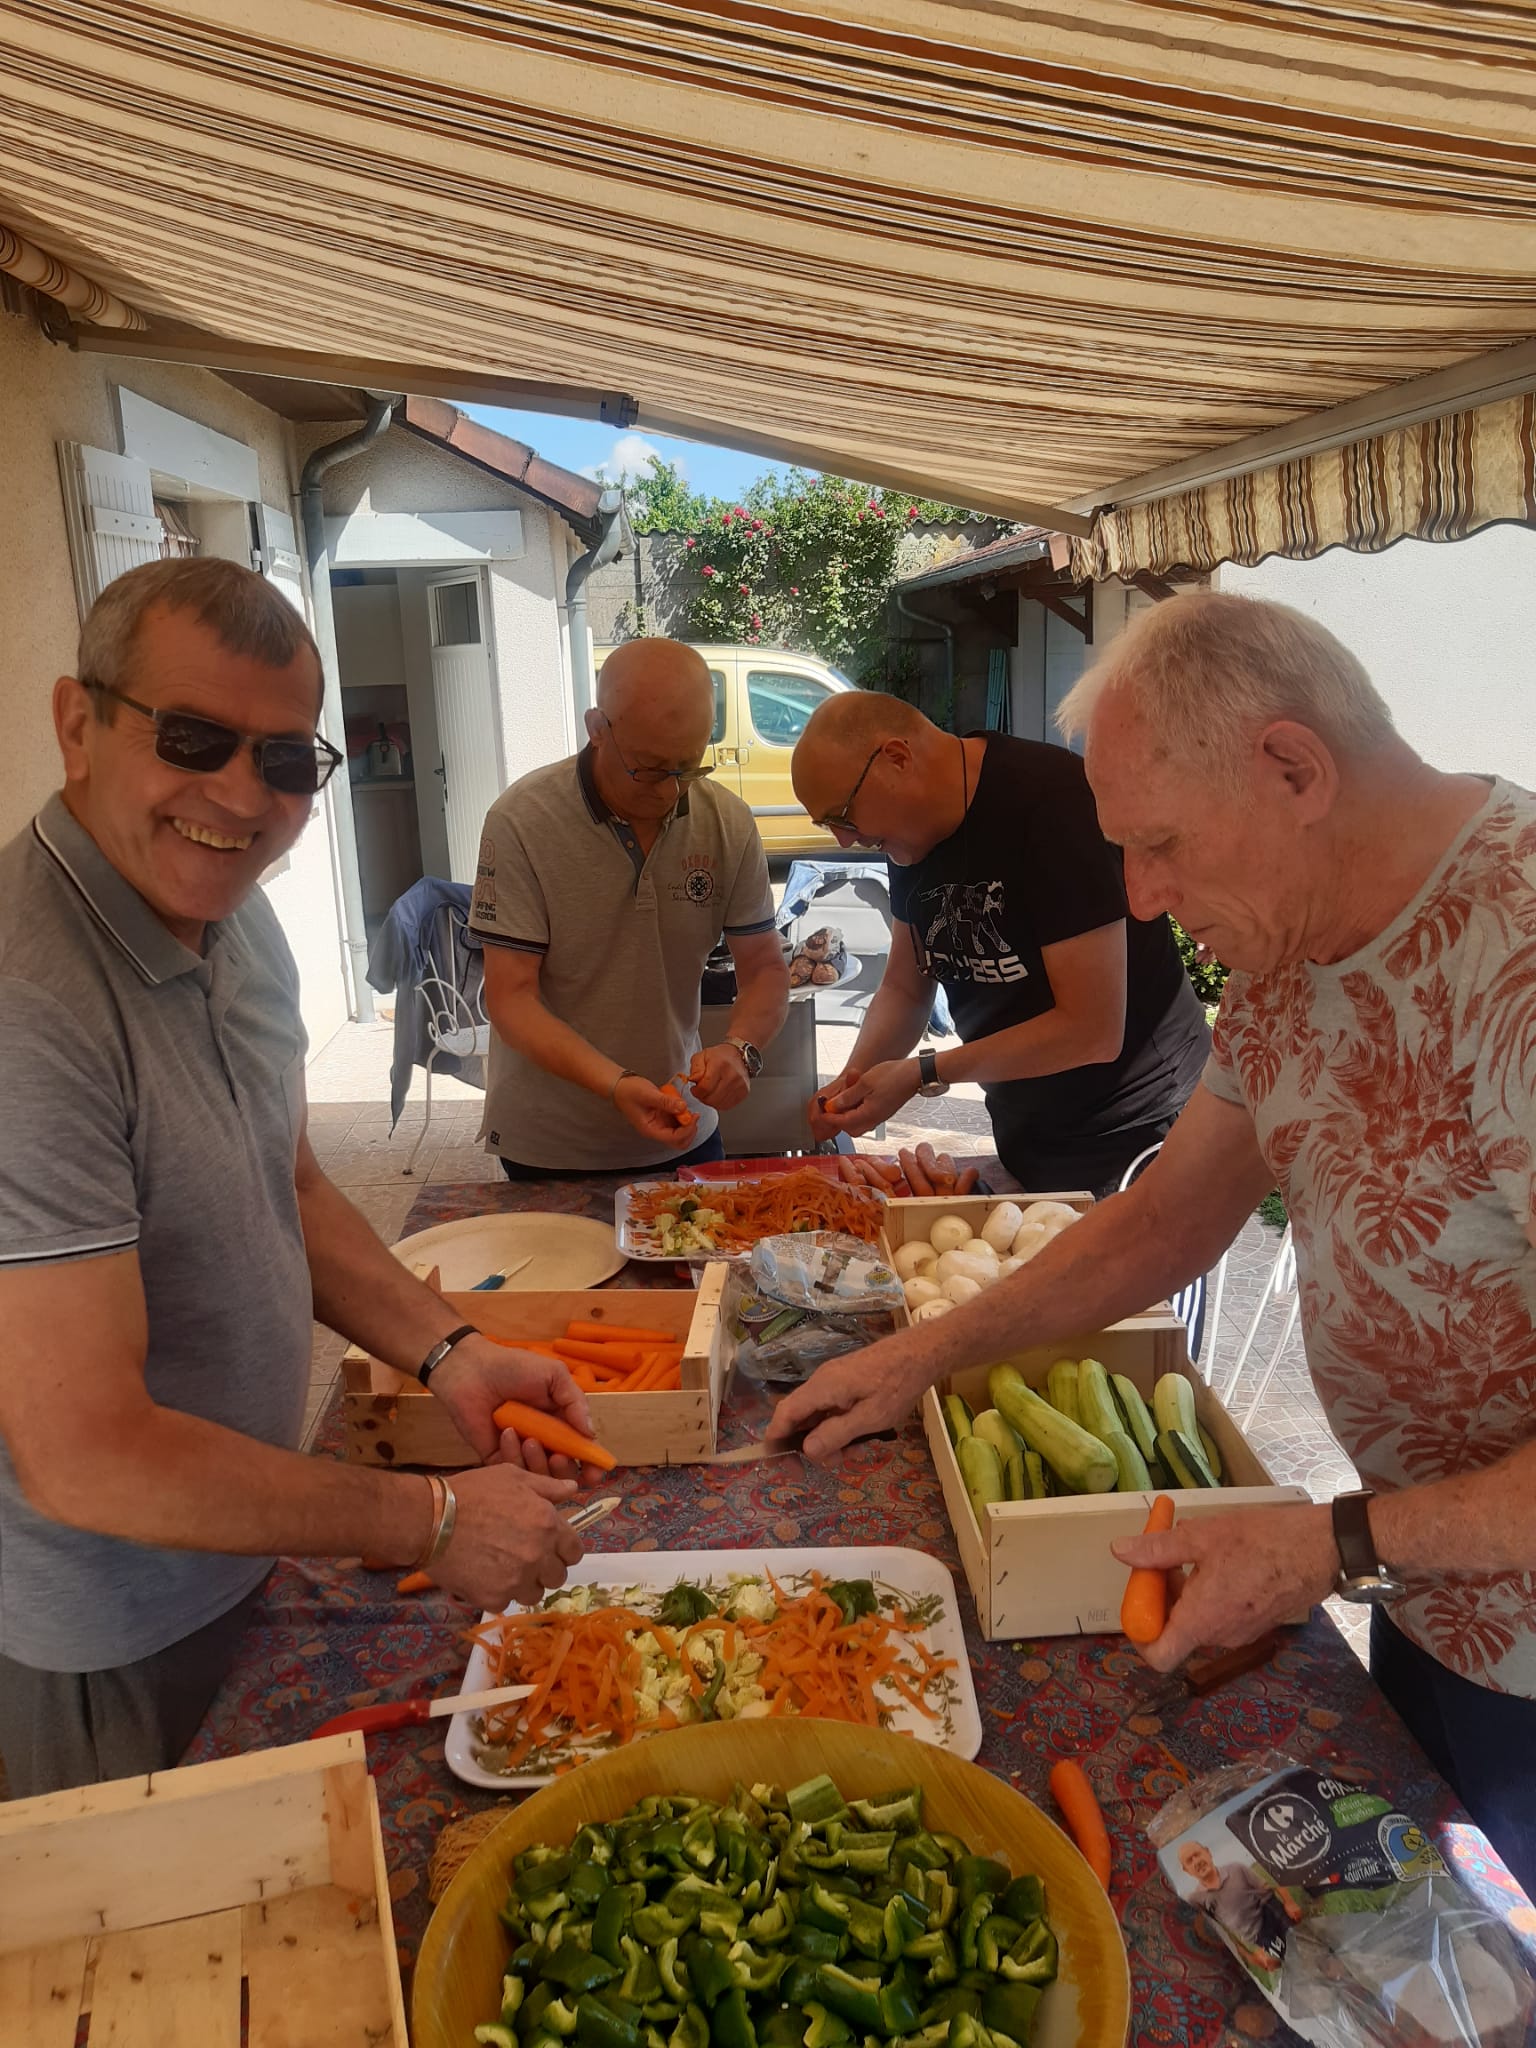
x,y
161,1906
458,1974
391,1420
1043,1567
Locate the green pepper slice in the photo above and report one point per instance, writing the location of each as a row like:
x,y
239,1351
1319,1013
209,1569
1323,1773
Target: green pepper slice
x,y
730,2024
817,1942
1024,1900
1010,2009
587,1883
826,2030
708,1971
866,1928
691,2031
853,1999
1033,1958
898,2008
997,1936
493,2035
970,1929
609,1922
977,1874
599,2026
575,1969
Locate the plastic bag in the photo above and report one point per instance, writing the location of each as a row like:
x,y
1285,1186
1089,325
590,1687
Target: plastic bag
x,y
1342,1911
805,1297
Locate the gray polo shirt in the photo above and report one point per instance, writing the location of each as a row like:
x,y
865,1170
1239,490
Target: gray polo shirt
x,y
622,939
149,1099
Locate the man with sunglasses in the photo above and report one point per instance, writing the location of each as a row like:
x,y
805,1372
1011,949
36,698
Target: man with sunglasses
x,y
166,1234
605,882
1076,1018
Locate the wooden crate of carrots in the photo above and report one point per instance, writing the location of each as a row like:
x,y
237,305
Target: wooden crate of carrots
x,y
653,1362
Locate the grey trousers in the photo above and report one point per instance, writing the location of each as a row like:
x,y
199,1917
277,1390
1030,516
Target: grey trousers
x,y
64,1728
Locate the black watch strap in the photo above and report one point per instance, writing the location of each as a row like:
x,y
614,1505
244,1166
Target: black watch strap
x,y
441,1349
1352,1534
927,1067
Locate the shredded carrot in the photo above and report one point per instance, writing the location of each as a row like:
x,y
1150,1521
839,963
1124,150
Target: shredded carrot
x,y
586,1667
751,1209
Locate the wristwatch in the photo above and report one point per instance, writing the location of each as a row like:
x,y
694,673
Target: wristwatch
x,y
1362,1575
928,1073
751,1058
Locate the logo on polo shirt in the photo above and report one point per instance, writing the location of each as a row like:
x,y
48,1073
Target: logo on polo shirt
x,y
486,865
698,882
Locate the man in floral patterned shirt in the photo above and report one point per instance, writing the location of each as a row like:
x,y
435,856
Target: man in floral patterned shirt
x,y
1376,1057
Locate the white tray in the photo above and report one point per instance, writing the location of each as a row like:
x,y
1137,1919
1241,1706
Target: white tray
x,y
909,1574
567,1253
634,1246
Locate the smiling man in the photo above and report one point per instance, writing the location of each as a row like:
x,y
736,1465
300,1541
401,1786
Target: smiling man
x,y
165,1232
1375,1057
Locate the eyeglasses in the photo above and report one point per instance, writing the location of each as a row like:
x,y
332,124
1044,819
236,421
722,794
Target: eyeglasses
x,y
652,778
841,820
201,746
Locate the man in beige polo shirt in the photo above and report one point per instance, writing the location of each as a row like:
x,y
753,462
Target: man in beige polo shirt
x,y
605,882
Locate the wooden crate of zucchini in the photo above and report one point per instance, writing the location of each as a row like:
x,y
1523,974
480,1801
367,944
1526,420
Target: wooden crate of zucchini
x,y
1049,1458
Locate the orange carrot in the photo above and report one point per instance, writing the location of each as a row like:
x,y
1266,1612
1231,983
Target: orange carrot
x,y
1074,1795
1144,1609
617,1333
552,1433
627,1355
415,1582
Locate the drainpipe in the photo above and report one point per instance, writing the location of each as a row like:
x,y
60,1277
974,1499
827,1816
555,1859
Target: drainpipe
x,y
927,619
332,717
613,532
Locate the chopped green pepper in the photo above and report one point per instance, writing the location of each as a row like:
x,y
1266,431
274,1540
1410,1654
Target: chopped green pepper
x,y
1033,1957
997,1936
904,1813
976,1874
852,1998
730,2024
609,1922
691,2031
866,1928
817,1800
1010,2009
1024,1900
674,1979
577,1969
494,2035
854,1597
822,1907
970,1929
599,2026
898,2008
587,1883
936,1950
754,1971
817,1942
708,1971
782,2029
684,1605
642,1980
826,2030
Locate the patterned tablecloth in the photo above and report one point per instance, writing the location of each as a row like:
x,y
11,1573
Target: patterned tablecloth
x,y
329,1635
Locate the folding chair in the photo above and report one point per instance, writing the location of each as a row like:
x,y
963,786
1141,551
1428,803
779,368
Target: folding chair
x,y
456,1021
1190,1304
1282,1281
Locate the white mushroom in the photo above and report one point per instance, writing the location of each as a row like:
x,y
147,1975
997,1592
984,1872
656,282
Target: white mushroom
x,y
930,1309
978,1248
1060,1214
1002,1226
910,1259
949,1233
918,1290
962,1264
959,1288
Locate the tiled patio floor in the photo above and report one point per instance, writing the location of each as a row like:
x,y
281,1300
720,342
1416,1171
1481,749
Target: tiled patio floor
x,y
349,1127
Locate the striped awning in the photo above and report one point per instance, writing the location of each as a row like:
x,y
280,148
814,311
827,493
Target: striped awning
x,y
1014,255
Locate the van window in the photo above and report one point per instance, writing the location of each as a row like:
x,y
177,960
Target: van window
x,y
781,703
717,677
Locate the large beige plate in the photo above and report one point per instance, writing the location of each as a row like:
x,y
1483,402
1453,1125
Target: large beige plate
x,y
566,1251
458,1975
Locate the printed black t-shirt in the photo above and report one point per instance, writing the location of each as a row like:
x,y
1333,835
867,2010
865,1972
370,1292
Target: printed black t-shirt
x,y
1027,868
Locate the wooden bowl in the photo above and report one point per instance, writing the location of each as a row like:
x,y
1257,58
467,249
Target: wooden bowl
x,y
458,1974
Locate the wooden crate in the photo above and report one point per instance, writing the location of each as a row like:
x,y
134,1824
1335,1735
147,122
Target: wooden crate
x,y
391,1421
1043,1567
161,1906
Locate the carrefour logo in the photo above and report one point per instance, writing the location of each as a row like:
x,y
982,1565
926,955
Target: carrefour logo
x,y
1289,1833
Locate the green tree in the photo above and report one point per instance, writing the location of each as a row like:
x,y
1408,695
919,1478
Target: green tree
x,y
805,562
661,502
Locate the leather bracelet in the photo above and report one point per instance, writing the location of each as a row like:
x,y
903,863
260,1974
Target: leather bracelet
x,y
441,1349
628,1074
442,1529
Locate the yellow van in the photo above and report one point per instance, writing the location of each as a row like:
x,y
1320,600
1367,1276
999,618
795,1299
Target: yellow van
x,y
763,700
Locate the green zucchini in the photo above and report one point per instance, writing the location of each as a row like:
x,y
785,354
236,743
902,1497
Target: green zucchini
x,y
1134,1476
1078,1459
1173,1405
1137,1424
993,1429
1184,1459
1061,1389
1212,1455
1035,1485
982,1470
1096,1409
957,1417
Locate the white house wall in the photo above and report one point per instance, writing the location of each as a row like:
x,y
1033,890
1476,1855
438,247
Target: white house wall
x,y
1446,630
48,394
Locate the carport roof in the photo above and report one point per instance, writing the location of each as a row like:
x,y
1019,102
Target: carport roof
x,y
1035,259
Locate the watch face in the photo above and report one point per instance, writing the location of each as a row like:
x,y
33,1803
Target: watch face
x,y
1370,1592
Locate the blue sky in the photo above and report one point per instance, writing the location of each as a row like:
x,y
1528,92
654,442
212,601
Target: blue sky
x,y
584,444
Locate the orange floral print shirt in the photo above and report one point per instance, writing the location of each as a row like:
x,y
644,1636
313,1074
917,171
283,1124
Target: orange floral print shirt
x,y
1394,1096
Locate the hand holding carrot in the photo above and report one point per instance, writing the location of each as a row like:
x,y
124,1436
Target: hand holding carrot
x,y
718,1077
1144,1609
509,1540
478,1375
660,1114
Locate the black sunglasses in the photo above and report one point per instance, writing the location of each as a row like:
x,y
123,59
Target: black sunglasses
x,y
202,747
841,820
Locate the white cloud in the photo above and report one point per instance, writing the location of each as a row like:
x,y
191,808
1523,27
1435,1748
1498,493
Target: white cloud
x,y
628,458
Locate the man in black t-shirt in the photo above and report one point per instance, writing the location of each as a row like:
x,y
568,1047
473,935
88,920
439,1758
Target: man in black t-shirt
x,y
1077,1019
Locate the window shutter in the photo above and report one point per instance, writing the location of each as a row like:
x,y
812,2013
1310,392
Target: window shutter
x,y
279,559
109,511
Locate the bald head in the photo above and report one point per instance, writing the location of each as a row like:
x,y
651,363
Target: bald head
x,y
843,732
659,683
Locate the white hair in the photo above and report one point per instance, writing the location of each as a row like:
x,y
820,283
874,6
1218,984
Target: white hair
x,y
1209,670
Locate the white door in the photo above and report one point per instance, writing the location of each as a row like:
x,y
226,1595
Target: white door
x,y
109,510
466,727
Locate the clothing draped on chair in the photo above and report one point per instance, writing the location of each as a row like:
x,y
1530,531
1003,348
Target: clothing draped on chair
x,y
426,941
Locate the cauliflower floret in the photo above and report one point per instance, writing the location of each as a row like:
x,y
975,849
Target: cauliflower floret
x,y
752,1600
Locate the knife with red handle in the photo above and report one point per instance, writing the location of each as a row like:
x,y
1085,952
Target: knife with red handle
x,y
407,1713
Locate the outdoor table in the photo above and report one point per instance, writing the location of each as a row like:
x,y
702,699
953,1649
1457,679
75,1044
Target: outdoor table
x,y
327,1636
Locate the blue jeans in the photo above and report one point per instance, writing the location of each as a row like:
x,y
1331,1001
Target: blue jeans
x,y
701,1155
1480,1742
